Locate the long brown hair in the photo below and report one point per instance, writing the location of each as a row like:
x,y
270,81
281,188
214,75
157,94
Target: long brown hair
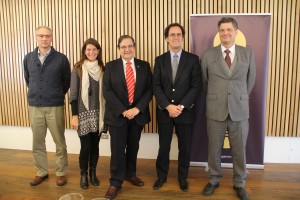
x,y
78,65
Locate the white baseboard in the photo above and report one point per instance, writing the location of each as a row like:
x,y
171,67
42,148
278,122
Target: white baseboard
x,y
277,149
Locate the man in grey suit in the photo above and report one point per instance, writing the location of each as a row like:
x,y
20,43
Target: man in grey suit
x,y
228,78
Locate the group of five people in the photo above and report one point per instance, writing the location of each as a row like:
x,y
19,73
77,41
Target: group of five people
x,y
117,96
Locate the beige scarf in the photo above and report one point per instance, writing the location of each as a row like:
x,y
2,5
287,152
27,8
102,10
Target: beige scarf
x,y
92,69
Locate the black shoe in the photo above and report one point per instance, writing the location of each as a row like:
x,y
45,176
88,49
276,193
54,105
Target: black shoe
x,y
158,184
241,193
209,189
183,185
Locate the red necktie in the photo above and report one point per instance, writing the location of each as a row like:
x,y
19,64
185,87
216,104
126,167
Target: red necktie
x,y
227,58
130,82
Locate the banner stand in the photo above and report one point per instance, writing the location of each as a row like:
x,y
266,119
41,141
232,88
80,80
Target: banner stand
x,y
253,32
225,165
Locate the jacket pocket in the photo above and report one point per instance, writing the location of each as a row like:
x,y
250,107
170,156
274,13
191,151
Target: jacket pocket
x,y
244,97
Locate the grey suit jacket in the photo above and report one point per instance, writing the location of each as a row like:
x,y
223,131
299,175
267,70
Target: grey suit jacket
x,y
227,91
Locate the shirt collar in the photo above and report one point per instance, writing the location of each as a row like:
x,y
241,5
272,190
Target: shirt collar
x,y
231,49
39,53
132,61
178,54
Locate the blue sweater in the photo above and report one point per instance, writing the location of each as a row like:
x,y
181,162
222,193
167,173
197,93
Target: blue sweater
x,y
48,82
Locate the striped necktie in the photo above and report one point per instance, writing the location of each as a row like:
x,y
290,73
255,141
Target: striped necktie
x,y
130,82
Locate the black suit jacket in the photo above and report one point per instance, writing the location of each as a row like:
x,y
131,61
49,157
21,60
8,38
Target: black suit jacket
x,y
184,90
116,94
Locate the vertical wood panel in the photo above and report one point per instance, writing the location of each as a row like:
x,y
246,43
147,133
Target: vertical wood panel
x,y
269,109
296,125
292,71
288,69
73,21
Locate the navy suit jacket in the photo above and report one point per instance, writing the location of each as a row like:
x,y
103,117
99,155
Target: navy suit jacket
x,y
116,95
184,90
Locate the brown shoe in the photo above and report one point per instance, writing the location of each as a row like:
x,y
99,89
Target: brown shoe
x,y
38,179
61,180
112,192
135,181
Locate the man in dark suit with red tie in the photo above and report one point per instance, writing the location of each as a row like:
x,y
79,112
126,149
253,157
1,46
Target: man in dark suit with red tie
x,y
127,89
176,84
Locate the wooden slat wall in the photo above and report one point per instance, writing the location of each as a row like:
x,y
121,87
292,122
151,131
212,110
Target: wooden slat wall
x,y
73,21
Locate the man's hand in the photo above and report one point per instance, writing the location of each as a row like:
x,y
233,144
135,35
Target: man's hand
x,y
174,111
131,113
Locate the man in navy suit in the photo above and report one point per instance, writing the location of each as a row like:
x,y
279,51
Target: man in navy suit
x,y
228,79
127,89
176,83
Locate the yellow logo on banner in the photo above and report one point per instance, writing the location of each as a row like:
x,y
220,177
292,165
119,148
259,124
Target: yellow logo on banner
x,y
226,144
239,39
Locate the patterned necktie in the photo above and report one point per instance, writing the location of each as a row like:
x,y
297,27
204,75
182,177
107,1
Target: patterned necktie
x,y
227,58
174,66
130,82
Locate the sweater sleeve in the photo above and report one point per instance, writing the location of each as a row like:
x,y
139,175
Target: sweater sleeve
x,y
66,75
74,91
74,107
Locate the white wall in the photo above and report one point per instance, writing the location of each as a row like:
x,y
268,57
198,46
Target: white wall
x,y
277,149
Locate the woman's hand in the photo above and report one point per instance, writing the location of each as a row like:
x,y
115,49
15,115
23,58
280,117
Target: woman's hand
x,y
74,122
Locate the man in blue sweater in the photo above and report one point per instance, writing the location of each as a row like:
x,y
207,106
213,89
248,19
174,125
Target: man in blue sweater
x,y
47,75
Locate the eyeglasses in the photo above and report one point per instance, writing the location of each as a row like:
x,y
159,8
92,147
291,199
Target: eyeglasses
x,y
175,34
42,36
125,47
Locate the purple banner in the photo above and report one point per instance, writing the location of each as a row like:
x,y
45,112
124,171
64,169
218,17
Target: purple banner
x,y
254,32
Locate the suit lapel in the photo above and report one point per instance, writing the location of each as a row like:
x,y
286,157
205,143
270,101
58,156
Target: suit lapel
x,y
120,70
220,60
168,65
139,78
235,65
182,61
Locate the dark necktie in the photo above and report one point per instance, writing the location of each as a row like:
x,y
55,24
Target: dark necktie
x,y
227,58
130,82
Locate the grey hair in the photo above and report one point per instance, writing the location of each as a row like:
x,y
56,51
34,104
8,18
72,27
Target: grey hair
x,y
46,27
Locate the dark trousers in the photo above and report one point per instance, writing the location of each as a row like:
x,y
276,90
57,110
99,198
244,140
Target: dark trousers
x,y
89,152
124,145
184,135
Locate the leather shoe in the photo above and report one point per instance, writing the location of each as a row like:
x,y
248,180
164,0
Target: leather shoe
x,y
183,185
209,189
61,180
158,184
135,181
38,180
241,193
112,192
